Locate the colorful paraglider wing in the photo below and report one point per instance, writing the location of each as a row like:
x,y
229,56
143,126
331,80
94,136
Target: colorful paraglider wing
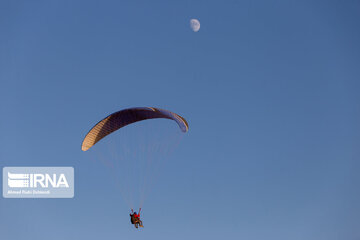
x,y
125,117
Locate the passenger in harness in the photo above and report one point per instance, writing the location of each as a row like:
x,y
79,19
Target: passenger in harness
x,y
135,218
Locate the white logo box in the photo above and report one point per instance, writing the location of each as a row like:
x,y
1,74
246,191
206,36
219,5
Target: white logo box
x,y
38,182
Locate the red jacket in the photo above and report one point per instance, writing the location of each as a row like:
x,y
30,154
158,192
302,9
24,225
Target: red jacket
x,y
137,215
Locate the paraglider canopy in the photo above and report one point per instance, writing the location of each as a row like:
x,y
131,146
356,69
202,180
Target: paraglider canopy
x,y
125,117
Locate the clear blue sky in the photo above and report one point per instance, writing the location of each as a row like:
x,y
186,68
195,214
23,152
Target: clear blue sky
x,y
270,90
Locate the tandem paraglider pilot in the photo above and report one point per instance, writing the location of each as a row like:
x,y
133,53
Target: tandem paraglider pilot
x,y
135,218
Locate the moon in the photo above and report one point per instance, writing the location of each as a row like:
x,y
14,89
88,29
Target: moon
x,y
195,25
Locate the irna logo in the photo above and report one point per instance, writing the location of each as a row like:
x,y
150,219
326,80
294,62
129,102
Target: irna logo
x,y
38,182
19,180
